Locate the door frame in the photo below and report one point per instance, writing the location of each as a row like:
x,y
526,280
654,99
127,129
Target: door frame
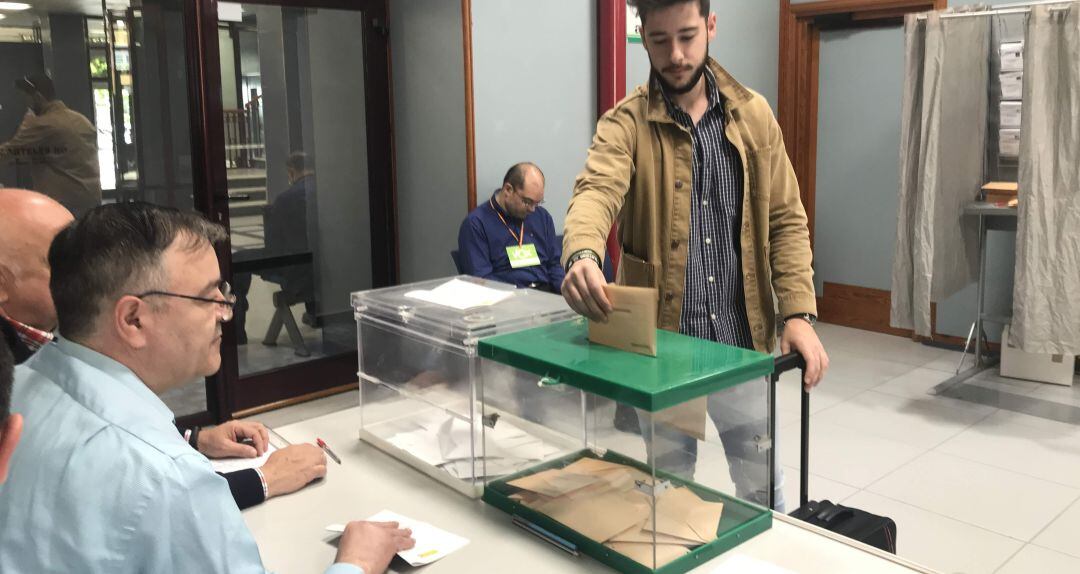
x,y
797,106
797,114
228,394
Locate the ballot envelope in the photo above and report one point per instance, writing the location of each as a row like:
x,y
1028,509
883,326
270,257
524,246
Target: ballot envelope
x,y
673,451
429,399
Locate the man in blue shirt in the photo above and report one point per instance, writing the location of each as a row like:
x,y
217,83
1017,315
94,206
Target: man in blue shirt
x,y
510,238
102,482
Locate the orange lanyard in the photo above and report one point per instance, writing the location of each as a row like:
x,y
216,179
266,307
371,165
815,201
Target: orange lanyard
x,y
520,239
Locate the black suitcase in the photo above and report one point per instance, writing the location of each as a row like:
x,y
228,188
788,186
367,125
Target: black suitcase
x,y
870,529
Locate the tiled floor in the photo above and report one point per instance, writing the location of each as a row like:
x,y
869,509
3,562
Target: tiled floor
x,y
972,488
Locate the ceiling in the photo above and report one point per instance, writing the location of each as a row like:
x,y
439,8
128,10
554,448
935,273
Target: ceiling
x,y
31,17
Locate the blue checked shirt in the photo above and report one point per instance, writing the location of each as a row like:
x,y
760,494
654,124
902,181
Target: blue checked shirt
x,y
714,305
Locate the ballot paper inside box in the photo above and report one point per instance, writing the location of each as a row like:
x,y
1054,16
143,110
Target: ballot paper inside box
x,y
673,462
423,385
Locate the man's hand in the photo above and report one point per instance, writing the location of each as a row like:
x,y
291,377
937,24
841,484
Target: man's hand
x,y
800,336
583,289
371,545
291,468
224,440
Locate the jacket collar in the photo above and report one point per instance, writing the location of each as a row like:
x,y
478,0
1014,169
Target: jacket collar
x,y
732,92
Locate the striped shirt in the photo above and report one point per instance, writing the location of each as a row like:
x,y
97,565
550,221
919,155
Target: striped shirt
x,y
714,304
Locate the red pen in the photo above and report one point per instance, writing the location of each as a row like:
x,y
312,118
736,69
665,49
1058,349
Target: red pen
x,y
322,445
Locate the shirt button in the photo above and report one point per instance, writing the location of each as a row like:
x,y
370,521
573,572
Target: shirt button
x,y
712,279
704,203
708,241
712,316
674,244
669,297
678,184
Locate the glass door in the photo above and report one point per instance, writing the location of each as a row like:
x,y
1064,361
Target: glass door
x,y
305,172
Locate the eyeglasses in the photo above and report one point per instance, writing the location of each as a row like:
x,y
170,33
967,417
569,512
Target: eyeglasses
x,y
528,202
227,302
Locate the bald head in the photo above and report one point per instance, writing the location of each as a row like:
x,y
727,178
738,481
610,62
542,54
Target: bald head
x,y
28,223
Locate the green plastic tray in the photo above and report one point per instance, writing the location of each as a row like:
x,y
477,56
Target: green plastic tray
x,y
739,522
685,368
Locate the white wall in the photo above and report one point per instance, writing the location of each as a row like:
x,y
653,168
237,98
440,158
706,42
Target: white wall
x,y
534,86
429,133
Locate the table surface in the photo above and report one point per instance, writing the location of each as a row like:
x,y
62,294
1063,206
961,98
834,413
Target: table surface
x,y
291,536
990,209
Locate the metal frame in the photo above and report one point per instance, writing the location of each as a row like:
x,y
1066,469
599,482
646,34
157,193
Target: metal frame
x,y
993,218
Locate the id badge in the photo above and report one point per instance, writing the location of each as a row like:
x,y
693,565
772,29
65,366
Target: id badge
x,y
523,256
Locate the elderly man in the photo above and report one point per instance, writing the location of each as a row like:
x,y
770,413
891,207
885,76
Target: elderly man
x,y
510,238
139,302
59,144
28,223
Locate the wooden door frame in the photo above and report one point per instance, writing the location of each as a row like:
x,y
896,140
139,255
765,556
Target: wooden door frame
x,y
797,113
797,106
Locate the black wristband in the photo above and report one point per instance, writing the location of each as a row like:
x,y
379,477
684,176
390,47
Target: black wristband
x,y
812,319
583,254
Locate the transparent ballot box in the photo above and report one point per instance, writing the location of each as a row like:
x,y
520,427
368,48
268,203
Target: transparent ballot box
x,y
674,460
422,382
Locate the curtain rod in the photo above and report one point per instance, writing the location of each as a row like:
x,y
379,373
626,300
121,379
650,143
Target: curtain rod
x,y
1004,9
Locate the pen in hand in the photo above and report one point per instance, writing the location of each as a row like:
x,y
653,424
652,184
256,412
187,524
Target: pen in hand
x,y
330,453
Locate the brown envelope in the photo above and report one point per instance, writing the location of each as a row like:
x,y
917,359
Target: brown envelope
x,y
681,513
553,482
598,517
639,535
688,417
632,325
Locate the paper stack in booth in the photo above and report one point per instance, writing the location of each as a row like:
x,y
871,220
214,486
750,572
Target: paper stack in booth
x,y
606,502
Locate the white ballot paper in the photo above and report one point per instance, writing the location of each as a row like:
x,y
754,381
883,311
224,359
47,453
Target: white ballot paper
x,y
226,465
461,295
431,543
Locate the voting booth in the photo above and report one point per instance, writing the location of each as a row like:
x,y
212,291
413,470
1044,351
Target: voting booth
x,y
689,483
424,387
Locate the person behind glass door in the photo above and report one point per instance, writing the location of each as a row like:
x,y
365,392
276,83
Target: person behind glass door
x,y
59,144
510,237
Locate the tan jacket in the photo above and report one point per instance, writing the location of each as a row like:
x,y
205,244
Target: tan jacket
x,y
639,171
60,146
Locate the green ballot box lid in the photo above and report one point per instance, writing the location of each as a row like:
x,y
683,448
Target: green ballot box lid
x,y
685,367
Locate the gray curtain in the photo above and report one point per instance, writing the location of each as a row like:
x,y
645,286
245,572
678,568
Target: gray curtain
x,y
1046,293
942,153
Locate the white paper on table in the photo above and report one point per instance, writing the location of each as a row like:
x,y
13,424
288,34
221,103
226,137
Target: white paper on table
x,y
226,465
742,564
431,543
461,295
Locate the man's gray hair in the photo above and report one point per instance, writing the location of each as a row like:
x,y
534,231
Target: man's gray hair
x,y
113,250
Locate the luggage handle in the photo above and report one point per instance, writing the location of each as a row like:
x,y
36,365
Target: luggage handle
x,y
781,365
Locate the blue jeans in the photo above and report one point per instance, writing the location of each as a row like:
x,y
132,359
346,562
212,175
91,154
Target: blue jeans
x,y
740,414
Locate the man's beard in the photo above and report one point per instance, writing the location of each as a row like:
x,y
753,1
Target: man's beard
x,y
674,90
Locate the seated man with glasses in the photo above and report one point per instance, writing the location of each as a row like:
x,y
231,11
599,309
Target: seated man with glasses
x,y
510,238
28,223
101,481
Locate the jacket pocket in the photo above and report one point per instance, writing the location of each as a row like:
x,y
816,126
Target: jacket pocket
x,y
636,272
759,172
